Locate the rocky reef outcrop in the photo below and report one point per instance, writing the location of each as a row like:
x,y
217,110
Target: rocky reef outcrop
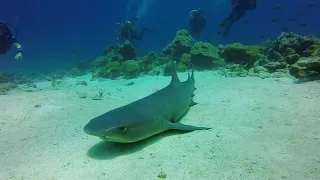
x,y
205,55
9,81
290,55
295,42
240,54
306,67
114,61
181,44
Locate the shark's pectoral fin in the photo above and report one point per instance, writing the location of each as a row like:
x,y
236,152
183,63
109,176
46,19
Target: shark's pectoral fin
x,y
183,127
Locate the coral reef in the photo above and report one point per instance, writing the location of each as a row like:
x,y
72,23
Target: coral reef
x,y
120,52
127,51
313,50
147,63
294,41
9,81
290,55
181,44
275,65
130,69
284,57
109,65
204,55
240,54
5,87
306,67
110,70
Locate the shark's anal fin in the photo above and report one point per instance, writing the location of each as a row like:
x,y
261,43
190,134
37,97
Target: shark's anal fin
x,y
193,103
183,127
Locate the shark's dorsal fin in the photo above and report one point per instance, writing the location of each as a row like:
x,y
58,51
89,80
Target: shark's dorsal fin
x,y
174,77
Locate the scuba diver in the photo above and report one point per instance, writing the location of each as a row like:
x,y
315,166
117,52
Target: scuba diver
x,y
197,22
239,9
8,38
127,31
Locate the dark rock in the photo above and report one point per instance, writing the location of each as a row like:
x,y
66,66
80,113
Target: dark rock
x,y
274,66
294,41
306,67
291,59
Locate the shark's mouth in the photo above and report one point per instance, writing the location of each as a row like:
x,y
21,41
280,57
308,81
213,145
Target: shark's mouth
x,y
104,137
119,140
108,138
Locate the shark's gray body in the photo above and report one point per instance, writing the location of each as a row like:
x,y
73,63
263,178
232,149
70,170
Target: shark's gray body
x,y
148,116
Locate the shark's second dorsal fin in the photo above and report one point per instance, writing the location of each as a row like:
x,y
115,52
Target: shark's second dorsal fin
x,y
174,77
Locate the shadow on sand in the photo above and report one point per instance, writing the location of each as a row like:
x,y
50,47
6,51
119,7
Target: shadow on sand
x,y
109,150
304,80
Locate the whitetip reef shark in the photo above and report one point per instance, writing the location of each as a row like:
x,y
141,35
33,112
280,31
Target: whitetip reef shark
x,y
148,116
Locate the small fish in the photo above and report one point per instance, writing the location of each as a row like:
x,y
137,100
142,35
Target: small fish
x,y
275,20
302,12
292,19
303,25
277,7
285,29
218,33
261,37
313,4
246,22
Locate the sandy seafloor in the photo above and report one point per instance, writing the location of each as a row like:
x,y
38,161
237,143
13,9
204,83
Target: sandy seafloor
x,y
261,129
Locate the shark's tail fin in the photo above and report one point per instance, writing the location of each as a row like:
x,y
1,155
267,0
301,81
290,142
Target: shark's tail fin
x,y
192,72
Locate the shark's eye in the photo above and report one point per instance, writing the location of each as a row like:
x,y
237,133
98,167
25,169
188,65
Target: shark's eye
x,y
123,129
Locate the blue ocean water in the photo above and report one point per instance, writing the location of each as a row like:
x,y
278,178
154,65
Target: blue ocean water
x,y
258,102
56,33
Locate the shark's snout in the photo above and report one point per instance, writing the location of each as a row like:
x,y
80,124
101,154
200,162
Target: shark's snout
x,y
88,129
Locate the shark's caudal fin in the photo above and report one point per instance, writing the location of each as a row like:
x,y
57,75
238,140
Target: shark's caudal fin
x,y
184,127
192,73
174,78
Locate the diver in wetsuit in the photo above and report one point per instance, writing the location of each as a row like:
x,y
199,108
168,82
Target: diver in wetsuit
x,y
7,39
239,9
127,31
197,22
